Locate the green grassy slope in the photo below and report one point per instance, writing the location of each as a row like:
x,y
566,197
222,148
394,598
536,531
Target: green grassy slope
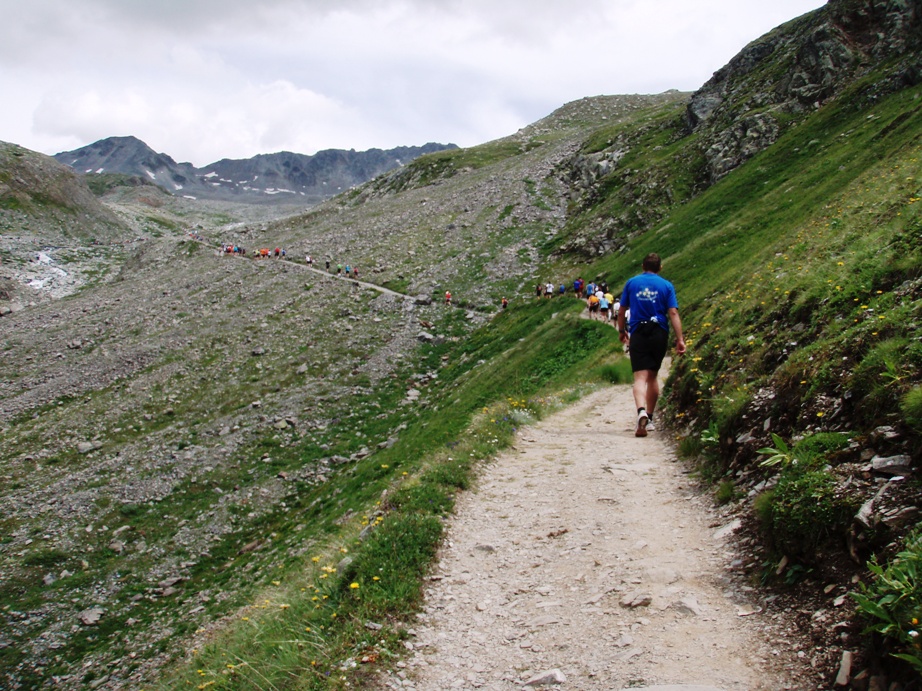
x,y
799,277
797,274
801,264
307,630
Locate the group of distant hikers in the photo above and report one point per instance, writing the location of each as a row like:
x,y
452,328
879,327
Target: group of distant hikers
x,y
643,314
350,271
262,253
347,271
602,305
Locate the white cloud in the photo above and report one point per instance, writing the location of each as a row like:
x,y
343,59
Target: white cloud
x,y
206,79
239,122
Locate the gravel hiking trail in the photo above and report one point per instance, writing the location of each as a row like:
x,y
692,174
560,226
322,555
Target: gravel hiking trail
x,y
586,558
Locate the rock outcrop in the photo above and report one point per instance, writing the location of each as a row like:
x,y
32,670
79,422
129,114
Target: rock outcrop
x,y
747,104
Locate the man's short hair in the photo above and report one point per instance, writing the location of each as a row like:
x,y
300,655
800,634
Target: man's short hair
x,y
652,262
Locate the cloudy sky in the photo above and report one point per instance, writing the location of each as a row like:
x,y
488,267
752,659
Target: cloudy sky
x,y
202,80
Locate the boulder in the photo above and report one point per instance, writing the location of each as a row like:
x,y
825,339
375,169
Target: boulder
x,y
892,465
549,678
91,616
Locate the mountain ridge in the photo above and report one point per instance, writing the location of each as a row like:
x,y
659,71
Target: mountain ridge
x,y
282,177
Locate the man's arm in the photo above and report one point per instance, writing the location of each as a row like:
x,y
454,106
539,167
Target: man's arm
x,y
622,324
676,322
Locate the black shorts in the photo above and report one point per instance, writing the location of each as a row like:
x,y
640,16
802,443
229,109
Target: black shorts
x,y
648,347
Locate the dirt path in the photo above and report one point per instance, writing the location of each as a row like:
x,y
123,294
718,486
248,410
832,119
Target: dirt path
x,y
590,552
355,281
322,272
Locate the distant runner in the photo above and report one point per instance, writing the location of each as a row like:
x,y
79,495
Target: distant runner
x,y
592,302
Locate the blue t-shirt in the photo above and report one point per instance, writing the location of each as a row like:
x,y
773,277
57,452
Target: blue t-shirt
x,y
649,297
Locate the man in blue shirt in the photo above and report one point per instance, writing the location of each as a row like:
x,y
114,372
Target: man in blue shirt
x,y
652,302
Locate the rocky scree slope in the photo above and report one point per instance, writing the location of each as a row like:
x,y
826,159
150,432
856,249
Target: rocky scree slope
x,y
476,222
161,425
157,428
46,209
59,236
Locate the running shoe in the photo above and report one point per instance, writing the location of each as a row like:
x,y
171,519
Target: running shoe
x,y
642,421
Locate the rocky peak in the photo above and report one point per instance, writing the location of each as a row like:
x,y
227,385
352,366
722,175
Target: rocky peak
x,y
796,68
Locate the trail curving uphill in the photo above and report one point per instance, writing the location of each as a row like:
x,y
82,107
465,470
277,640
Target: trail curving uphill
x,y
322,272
354,281
588,559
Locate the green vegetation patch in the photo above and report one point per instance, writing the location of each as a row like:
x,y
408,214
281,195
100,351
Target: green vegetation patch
x,y
328,618
891,603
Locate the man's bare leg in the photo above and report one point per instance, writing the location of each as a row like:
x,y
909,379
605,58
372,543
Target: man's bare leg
x,y
646,394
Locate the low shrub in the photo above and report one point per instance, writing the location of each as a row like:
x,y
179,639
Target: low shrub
x,y
876,380
728,411
726,492
423,498
911,407
817,447
618,372
450,474
392,562
812,451
762,507
690,446
892,603
46,557
806,511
